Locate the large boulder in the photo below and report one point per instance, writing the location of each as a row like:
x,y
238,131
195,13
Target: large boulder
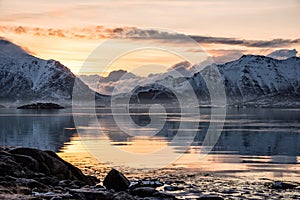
x,y
116,180
9,166
48,163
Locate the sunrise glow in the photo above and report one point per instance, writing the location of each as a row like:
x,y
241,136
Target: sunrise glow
x,y
70,32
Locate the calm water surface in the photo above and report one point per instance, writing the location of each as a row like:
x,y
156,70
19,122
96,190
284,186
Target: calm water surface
x,y
263,142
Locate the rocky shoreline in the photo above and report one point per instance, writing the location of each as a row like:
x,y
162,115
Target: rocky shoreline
x,y
27,173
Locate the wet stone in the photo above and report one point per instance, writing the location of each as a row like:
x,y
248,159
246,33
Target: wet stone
x,y
173,188
144,191
283,185
116,180
210,197
91,194
122,196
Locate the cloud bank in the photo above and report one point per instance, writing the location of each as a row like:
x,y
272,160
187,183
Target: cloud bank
x,y
89,32
100,32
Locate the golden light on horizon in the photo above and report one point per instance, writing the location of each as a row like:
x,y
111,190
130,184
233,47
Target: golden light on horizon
x,y
69,32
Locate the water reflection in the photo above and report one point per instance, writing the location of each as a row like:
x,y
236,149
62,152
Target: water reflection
x,y
252,132
45,129
250,137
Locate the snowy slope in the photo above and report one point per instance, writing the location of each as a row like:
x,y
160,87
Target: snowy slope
x,y
250,79
25,77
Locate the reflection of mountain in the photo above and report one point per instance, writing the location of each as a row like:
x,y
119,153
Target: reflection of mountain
x,y
40,129
249,132
259,143
257,132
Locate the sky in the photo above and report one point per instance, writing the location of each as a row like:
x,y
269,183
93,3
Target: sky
x,y
70,31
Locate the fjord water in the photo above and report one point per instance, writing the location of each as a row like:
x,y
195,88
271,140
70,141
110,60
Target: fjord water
x,y
253,140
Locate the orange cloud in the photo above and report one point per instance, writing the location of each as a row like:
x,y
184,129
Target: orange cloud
x,y
91,32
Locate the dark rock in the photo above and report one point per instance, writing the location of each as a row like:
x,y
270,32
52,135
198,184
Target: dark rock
x,y
50,164
169,182
10,178
116,180
49,180
26,161
56,198
31,184
93,179
122,196
64,183
283,185
41,106
52,195
145,183
173,188
7,184
78,196
229,191
24,190
47,164
78,182
152,183
58,188
135,184
38,175
4,153
9,166
209,197
22,185
144,191
179,182
4,190
163,195
98,186
92,194
75,173
73,186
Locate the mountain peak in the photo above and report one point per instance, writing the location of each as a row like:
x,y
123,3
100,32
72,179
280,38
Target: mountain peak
x,y
251,56
10,49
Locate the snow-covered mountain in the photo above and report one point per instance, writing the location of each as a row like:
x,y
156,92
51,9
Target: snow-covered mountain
x,y
28,78
252,79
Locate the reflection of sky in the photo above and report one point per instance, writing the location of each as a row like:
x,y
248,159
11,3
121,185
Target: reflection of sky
x,y
68,31
240,136
231,164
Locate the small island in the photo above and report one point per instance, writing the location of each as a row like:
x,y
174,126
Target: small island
x,y
41,106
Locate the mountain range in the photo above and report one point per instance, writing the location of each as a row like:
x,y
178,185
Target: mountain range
x,y
250,80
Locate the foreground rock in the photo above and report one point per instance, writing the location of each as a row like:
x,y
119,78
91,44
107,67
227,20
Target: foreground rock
x,y
35,162
28,173
41,106
116,180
